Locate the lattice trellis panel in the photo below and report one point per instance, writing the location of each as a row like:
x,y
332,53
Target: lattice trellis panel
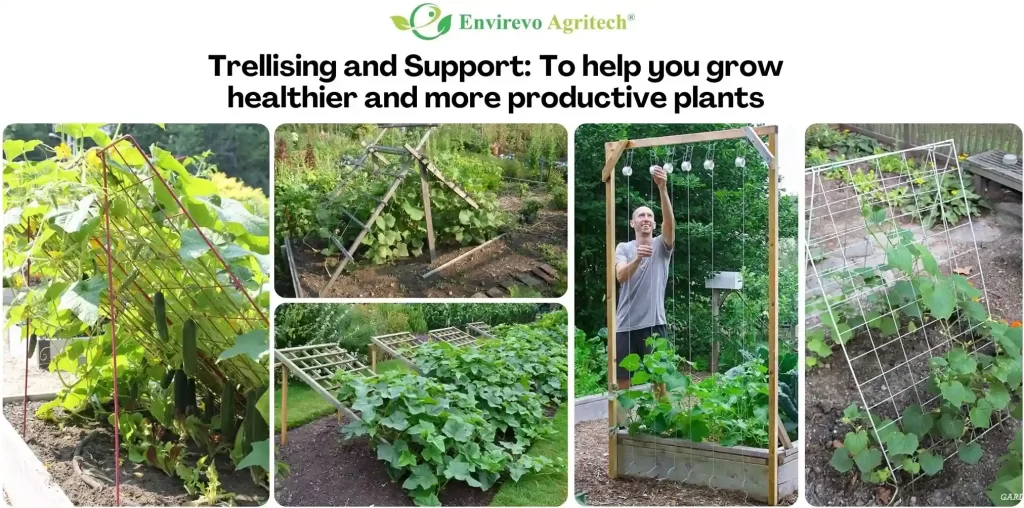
x,y
878,229
452,336
480,329
396,346
317,364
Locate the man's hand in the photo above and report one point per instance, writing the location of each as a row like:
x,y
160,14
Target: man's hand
x,y
644,251
660,177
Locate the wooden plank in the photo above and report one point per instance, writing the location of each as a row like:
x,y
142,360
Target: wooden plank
x,y
612,152
700,137
547,268
667,442
537,272
461,256
529,280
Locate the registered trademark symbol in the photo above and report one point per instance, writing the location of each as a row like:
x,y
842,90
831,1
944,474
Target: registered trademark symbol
x,y
631,17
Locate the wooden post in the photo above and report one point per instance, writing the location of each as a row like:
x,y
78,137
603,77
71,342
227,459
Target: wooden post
x,y
716,300
773,323
373,359
425,189
284,405
612,152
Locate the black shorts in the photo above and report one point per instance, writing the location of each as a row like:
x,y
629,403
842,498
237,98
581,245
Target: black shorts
x,y
633,341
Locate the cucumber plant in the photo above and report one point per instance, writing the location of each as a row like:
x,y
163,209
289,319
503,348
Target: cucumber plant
x,y
185,328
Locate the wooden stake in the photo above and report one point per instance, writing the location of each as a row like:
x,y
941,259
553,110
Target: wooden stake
x,y
773,322
425,189
284,405
373,359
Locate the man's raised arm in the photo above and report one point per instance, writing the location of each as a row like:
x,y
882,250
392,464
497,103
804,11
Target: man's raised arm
x,y
668,218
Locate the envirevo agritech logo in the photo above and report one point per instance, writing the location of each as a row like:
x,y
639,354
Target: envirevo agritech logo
x,y
427,22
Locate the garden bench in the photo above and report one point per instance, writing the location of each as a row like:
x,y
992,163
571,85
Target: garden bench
x,y
989,167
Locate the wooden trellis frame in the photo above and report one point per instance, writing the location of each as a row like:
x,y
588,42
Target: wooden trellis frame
x,y
427,169
613,151
452,336
316,366
479,329
395,345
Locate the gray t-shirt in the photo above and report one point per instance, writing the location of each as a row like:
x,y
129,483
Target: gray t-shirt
x,y
642,297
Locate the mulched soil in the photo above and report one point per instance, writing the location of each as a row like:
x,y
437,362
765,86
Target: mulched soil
x,y
517,251
831,388
326,470
140,485
593,483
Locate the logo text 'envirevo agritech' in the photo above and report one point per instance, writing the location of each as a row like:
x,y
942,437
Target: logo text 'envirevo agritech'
x,y
427,22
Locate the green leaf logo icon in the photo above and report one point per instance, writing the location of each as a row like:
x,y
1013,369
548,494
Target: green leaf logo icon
x,y
425,22
400,22
444,25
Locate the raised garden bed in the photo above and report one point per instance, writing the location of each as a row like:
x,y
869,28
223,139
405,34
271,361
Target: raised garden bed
x,y
740,469
47,476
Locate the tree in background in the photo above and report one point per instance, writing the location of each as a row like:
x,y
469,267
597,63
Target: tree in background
x,y
241,151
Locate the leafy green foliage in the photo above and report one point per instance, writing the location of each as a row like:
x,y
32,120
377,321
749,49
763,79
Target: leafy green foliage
x,y
473,414
729,409
973,385
590,365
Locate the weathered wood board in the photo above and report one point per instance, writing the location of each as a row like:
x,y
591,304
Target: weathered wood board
x,y
739,468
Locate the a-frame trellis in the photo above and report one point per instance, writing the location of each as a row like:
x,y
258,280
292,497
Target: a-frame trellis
x,y
613,151
368,163
399,346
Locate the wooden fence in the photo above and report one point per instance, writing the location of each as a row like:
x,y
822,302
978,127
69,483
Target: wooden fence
x,y
969,138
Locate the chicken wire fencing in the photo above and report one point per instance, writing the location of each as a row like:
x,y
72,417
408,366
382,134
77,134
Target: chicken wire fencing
x,y
894,279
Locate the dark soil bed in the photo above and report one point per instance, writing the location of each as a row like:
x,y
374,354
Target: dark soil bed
x,y
831,386
596,488
519,250
140,485
326,470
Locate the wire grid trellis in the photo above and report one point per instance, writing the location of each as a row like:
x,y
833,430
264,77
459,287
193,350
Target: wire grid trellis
x,y
861,227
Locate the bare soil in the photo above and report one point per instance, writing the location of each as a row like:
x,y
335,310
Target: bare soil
x,y
596,488
832,387
519,250
327,470
141,485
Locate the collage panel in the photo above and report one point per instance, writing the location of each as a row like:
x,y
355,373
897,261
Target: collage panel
x,y
913,314
136,294
686,371
421,210
436,404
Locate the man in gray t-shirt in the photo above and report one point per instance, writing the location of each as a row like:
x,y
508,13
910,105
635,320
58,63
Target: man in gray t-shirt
x,y
642,270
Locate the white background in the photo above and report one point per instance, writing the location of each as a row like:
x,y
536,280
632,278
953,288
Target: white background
x,y
862,61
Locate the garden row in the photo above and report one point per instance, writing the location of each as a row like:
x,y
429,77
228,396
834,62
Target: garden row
x,y
474,412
